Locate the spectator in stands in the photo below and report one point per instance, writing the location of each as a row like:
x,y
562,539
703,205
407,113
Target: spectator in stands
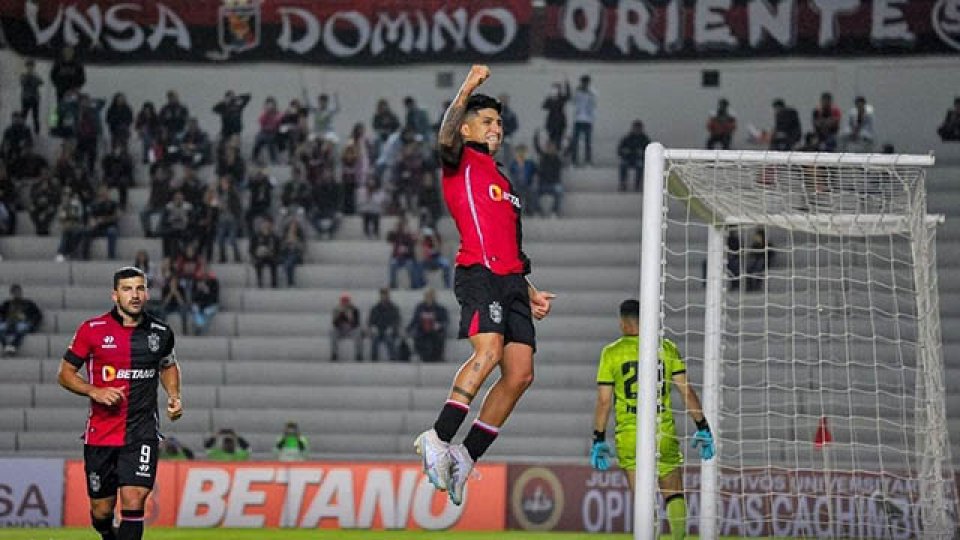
x,y
428,327
89,127
18,317
349,173
205,219
409,172
325,113
193,145
44,199
402,254
16,138
325,206
720,126
509,117
293,245
291,132
296,194
65,116
175,224
630,150
229,218
148,128
733,258
826,123
151,217
370,202
523,173
173,299
9,199
69,173
103,217
318,157
269,122
389,156
758,257
429,198
432,257
67,73
555,104
549,174
786,127
173,115
230,110
204,302
265,251
859,132
191,185
384,122
346,325
189,266
29,165
416,119
231,162
119,119
949,130
226,445
384,327
260,203
117,168
584,115
30,84
8,203
142,261
292,445
72,216
171,449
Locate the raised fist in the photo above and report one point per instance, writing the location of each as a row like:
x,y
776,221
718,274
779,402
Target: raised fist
x,y
478,74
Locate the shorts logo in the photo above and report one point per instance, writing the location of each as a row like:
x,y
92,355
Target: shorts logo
x,y
108,342
498,194
153,342
496,312
94,480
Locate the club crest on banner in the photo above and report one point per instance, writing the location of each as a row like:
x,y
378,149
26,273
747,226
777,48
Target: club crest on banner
x,y
238,27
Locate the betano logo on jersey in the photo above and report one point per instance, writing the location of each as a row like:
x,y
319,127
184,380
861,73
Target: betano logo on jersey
x,y
110,373
498,194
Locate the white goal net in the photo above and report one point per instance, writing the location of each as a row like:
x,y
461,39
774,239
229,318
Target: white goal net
x,y
802,291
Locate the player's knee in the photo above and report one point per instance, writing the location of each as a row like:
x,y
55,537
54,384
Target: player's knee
x,y
101,509
521,380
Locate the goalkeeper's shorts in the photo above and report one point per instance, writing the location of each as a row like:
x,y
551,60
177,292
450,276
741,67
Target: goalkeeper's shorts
x,y
669,457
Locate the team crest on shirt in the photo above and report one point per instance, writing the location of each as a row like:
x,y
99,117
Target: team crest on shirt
x,y
496,312
94,480
153,342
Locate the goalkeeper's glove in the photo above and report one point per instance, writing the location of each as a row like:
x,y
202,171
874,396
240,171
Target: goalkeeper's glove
x,y
600,451
703,440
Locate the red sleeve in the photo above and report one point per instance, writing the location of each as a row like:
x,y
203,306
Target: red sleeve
x,y
79,349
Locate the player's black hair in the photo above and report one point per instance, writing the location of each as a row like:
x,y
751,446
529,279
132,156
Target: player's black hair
x,y
127,272
482,101
630,309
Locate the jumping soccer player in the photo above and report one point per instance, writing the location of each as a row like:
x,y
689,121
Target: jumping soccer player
x,y
497,303
126,352
617,379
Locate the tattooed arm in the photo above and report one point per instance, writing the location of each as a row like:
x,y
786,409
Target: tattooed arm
x,y
449,139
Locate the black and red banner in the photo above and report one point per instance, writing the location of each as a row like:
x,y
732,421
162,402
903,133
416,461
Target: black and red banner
x,y
697,29
330,32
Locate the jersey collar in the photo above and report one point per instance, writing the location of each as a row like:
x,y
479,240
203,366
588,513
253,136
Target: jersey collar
x,y
115,313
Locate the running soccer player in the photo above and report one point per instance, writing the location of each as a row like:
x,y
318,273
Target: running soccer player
x,y
126,352
497,303
617,381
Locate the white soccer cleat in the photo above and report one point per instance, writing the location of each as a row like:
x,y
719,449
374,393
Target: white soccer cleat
x,y
461,465
436,458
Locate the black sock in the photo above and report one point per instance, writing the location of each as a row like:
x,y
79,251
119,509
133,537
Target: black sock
x,y
104,527
480,437
451,417
131,527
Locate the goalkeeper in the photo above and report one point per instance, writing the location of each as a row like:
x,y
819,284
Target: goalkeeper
x,y
617,378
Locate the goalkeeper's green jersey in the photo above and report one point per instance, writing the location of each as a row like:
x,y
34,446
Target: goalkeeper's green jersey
x,y
618,367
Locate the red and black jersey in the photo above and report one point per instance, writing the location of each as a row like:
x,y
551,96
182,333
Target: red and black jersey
x,y
126,357
486,210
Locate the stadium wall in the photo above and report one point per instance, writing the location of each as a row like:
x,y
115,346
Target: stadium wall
x,y
910,94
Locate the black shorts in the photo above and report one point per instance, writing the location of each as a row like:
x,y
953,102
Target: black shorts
x,y
110,467
493,303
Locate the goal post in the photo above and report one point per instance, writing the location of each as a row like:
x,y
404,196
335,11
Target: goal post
x,y
801,289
